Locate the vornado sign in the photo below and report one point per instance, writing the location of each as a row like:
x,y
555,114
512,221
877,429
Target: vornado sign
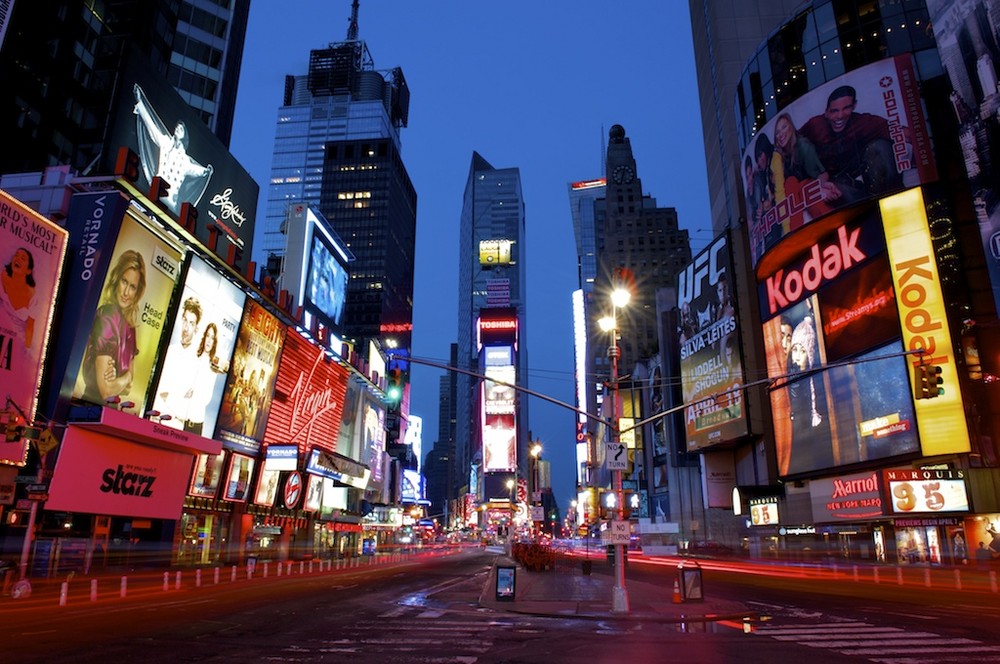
x,y
941,421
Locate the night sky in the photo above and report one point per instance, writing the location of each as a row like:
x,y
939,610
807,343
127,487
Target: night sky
x,y
531,85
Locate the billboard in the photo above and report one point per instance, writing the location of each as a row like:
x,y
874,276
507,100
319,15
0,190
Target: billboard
x,y
846,497
315,268
31,258
855,137
924,321
499,443
201,347
494,253
308,397
971,58
172,142
373,445
497,326
711,359
501,375
237,482
207,475
121,347
918,491
250,382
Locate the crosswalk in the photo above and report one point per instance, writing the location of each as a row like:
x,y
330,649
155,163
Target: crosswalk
x,y
886,645
414,635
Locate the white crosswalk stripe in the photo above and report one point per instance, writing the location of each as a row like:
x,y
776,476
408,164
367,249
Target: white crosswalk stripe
x,y
886,645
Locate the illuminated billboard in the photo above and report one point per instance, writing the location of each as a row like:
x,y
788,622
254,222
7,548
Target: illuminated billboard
x,y
501,375
855,137
497,326
315,267
918,491
237,483
169,140
711,359
308,397
499,443
249,389
207,474
201,347
495,252
373,445
32,251
121,348
922,315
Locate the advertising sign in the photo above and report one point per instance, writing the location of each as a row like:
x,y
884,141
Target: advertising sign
x,y
498,393
764,511
207,474
916,491
121,347
267,486
711,360
971,60
314,493
495,252
237,484
173,143
922,316
100,474
201,348
250,383
374,439
497,327
846,497
855,137
31,251
499,442
309,397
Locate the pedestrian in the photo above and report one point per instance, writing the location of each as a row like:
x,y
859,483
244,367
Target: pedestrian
x,y
983,556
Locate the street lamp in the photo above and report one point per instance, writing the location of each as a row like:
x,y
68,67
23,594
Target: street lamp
x,y
535,452
619,298
510,525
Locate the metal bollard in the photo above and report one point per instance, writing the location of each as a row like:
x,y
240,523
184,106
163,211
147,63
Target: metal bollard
x,y
310,567
279,568
215,576
123,588
177,581
266,565
302,566
233,575
197,578
166,581
993,581
927,577
958,579
855,572
288,568
93,590
875,575
63,593
899,575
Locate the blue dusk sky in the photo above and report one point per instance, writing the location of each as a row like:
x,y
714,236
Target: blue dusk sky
x,y
529,85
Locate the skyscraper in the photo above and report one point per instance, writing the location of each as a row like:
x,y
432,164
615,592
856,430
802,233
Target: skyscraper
x,y
337,148
59,61
491,283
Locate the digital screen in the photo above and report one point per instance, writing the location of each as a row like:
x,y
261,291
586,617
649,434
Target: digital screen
x,y
326,283
499,441
201,346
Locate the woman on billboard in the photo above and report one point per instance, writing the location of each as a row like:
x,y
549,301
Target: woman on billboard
x,y
18,293
112,348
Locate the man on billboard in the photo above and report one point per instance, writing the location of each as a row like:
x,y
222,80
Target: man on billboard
x,y
855,148
184,388
164,154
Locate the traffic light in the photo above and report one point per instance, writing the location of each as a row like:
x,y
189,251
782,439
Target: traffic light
x,y
927,381
394,386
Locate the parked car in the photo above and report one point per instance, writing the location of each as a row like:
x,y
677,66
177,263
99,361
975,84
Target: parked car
x,y
710,548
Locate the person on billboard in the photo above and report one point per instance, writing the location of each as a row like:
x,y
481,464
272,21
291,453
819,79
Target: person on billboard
x,y
807,395
855,148
769,184
111,347
183,393
164,154
802,165
18,298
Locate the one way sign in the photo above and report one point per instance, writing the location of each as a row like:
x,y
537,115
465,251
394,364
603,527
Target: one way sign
x,y
616,457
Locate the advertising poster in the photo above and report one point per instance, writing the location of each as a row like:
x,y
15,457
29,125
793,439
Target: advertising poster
x,y
237,483
309,397
172,142
499,443
121,348
374,442
326,281
250,383
267,487
31,258
711,360
856,137
207,475
970,53
314,493
201,348
347,445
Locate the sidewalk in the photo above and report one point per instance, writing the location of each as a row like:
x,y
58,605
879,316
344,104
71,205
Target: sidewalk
x,y
567,592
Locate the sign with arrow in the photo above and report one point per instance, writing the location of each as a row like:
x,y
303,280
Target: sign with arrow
x,y
616,456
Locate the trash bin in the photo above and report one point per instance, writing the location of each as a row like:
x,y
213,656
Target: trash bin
x,y
689,580
251,564
506,579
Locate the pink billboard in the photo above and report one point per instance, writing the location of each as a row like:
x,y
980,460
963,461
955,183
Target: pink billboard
x,y
101,474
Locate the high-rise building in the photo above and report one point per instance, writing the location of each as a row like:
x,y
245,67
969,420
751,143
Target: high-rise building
x,y
491,285
59,63
337,148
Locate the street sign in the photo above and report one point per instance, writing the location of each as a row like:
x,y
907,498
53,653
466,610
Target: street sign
x,y
618,532
615,456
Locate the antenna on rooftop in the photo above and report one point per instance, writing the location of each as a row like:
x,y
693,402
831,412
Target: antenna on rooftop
x,y
352,27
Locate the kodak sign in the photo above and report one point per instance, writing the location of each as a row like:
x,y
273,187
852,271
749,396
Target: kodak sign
x,y
940,421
